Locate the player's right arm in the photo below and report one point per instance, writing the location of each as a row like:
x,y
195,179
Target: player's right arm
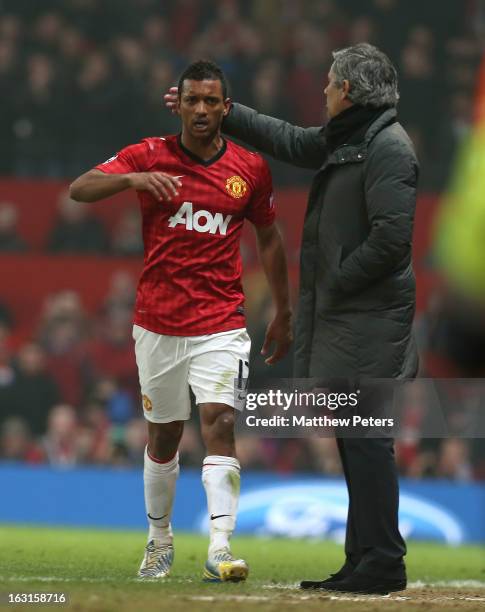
x,y
128,169
96,185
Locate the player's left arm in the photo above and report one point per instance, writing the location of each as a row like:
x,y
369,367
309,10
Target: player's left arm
x,y
261,213
273,260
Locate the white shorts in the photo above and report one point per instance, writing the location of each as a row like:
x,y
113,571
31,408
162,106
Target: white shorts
x,y
214,366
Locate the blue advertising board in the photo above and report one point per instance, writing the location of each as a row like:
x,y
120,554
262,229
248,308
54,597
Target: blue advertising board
x,y
270,504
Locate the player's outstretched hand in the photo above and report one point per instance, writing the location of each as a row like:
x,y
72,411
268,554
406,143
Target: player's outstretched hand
x,y
162,186
280,333
170,99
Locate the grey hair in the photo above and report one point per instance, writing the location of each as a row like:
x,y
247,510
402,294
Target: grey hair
x,y
370,73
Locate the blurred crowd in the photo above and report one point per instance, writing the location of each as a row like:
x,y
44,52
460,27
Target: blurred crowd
x,y
75,230
82,78
85,77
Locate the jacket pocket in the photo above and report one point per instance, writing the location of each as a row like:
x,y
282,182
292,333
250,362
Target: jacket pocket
x,y
329,292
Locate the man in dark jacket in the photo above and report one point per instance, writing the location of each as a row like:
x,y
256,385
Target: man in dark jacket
x,y
357,293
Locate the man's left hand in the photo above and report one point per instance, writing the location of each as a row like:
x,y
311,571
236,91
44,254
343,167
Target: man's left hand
x,y
280,332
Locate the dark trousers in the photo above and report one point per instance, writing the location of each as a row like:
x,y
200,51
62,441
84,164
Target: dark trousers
x,y
373,544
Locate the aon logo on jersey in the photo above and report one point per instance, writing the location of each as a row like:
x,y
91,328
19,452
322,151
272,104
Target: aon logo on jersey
x,y
200,221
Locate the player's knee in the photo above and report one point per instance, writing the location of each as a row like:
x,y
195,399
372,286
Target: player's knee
x,y
226,422
221,428
164,438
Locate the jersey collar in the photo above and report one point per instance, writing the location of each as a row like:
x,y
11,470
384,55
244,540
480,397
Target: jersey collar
x,y
199,160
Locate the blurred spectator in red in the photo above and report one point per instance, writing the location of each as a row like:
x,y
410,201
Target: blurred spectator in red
x,y
17,444
111,354
121,294
76,230
407,446
10,240
63,306
66,442
62,333
307,79
127,238
95,419
66,360
184,22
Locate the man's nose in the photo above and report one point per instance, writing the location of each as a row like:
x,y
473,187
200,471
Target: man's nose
x,y
200,108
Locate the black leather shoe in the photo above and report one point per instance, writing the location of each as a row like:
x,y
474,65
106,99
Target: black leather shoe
x,y
366,585
343,572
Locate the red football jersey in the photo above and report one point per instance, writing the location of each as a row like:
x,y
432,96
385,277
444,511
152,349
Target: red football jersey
x,y
191,280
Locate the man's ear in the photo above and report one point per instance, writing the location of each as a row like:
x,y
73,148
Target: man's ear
x,y
345,89
227,106
177,106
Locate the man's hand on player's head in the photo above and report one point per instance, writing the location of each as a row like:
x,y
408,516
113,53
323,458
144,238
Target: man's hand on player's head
x,y
171,98
162,186
279,332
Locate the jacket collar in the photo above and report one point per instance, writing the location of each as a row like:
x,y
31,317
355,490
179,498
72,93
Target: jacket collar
x,y
387,117
358,153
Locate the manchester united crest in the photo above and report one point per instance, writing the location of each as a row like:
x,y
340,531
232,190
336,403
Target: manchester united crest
x,y
236,186
147,403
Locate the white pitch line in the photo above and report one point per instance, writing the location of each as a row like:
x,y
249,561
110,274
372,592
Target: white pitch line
x,y
85,579
297,596
298,599
450,584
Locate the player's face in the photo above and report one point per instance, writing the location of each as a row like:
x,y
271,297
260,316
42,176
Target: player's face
x,y
336,96
202,108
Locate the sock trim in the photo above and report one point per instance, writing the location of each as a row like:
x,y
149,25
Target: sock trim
x,y
221,461
220,465
159,461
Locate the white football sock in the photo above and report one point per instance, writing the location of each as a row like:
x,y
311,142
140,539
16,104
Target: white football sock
x,y
221,479
159,481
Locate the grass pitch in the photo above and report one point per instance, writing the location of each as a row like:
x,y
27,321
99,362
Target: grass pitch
x,y
97,571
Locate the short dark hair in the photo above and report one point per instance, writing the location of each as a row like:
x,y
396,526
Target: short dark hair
x,y
202,70
370,73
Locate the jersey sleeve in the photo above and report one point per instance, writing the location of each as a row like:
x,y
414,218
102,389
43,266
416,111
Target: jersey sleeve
x,y
133,158
261,211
